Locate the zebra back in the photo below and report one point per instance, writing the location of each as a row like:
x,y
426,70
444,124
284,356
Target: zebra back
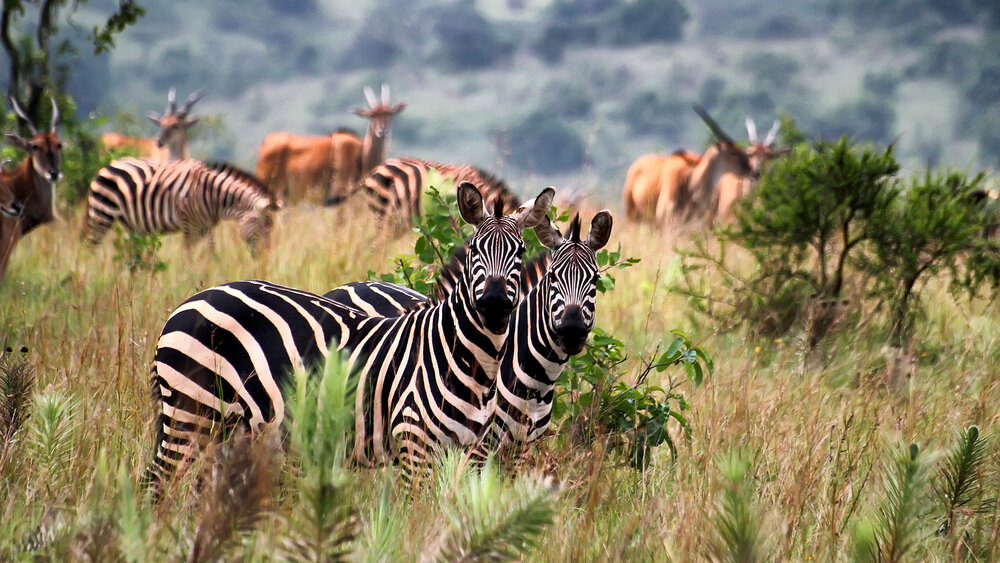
x,y
396,186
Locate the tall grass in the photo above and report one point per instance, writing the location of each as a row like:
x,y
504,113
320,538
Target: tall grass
x,y
820,425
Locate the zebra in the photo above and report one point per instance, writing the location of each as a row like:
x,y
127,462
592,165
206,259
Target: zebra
x,y
187,195
550,324
424,379
395,187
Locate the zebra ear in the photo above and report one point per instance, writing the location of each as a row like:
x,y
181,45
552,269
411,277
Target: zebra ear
x,y
532,212
470,203
548,234
600,230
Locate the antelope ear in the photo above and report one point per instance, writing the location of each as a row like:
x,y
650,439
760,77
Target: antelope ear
x,y
154,118
190,122
600,230
532,212
18,141
470,203
548,234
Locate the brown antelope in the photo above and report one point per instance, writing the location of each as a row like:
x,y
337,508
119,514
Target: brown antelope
x,y
34,181
649,174
171,142
723,175
10,230
293,165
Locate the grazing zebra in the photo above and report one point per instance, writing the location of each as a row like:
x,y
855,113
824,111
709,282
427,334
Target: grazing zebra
x,y
396,187
550,324
424,378
188,195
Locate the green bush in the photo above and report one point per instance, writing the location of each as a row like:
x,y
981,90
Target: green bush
x,y
832,221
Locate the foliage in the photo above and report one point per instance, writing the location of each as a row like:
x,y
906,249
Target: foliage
x,y
37,68
959,482
593,400
543,143
929,230
320,412
139,251
802,227
17,381
467,40
488,519
737,525
896,527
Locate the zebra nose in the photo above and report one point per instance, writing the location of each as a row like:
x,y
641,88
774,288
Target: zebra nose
x,y
494,305
572,330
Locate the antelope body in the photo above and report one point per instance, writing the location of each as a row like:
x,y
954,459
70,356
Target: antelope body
x,y
294,165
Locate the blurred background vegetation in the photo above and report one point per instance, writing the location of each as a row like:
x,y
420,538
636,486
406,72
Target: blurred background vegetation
x,y
565,91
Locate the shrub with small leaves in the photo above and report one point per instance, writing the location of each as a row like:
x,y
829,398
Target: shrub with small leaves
x,y
139,251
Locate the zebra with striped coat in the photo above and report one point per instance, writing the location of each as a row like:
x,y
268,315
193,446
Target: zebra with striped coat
x,y
395,188
550,324
185,195
424,378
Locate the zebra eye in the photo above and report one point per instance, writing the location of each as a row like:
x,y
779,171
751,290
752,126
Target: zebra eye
x,y
552,276
596,278
520,251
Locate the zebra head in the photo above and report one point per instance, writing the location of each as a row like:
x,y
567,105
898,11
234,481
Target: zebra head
x,y
493,263
570,285
255,224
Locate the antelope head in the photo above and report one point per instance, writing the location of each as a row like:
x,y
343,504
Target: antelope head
x,y
44,149
174,124
379,112
761,152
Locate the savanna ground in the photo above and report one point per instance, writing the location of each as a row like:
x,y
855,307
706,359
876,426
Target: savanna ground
x,y
817,429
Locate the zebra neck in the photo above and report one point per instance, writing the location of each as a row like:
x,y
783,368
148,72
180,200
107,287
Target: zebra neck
x,y
536,345
484,345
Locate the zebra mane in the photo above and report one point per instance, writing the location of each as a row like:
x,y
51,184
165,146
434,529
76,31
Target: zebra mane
x,y
493,184
574,229
240,174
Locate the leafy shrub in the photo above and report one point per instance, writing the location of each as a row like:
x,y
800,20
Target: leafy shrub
x,y
543,143
832,220
139,251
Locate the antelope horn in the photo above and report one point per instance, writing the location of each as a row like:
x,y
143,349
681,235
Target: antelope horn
x,y
20,113
751,129
370,96
385,94
55,115
194,97
772,135
171,102
716,130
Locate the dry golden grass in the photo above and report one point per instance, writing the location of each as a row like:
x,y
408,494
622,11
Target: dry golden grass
x,y
817,426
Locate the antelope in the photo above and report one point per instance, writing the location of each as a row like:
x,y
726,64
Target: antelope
x,y
725,173
34,181
650,174
171,142
10,230
292,165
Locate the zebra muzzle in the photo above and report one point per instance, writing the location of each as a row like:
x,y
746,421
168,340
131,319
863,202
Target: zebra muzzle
x,y
494,307
572,331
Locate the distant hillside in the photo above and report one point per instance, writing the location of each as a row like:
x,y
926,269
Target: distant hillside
x,y
566,92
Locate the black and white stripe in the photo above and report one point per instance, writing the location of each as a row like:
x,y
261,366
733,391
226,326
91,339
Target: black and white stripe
x,y
395,188
424,378
550,324
185,195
